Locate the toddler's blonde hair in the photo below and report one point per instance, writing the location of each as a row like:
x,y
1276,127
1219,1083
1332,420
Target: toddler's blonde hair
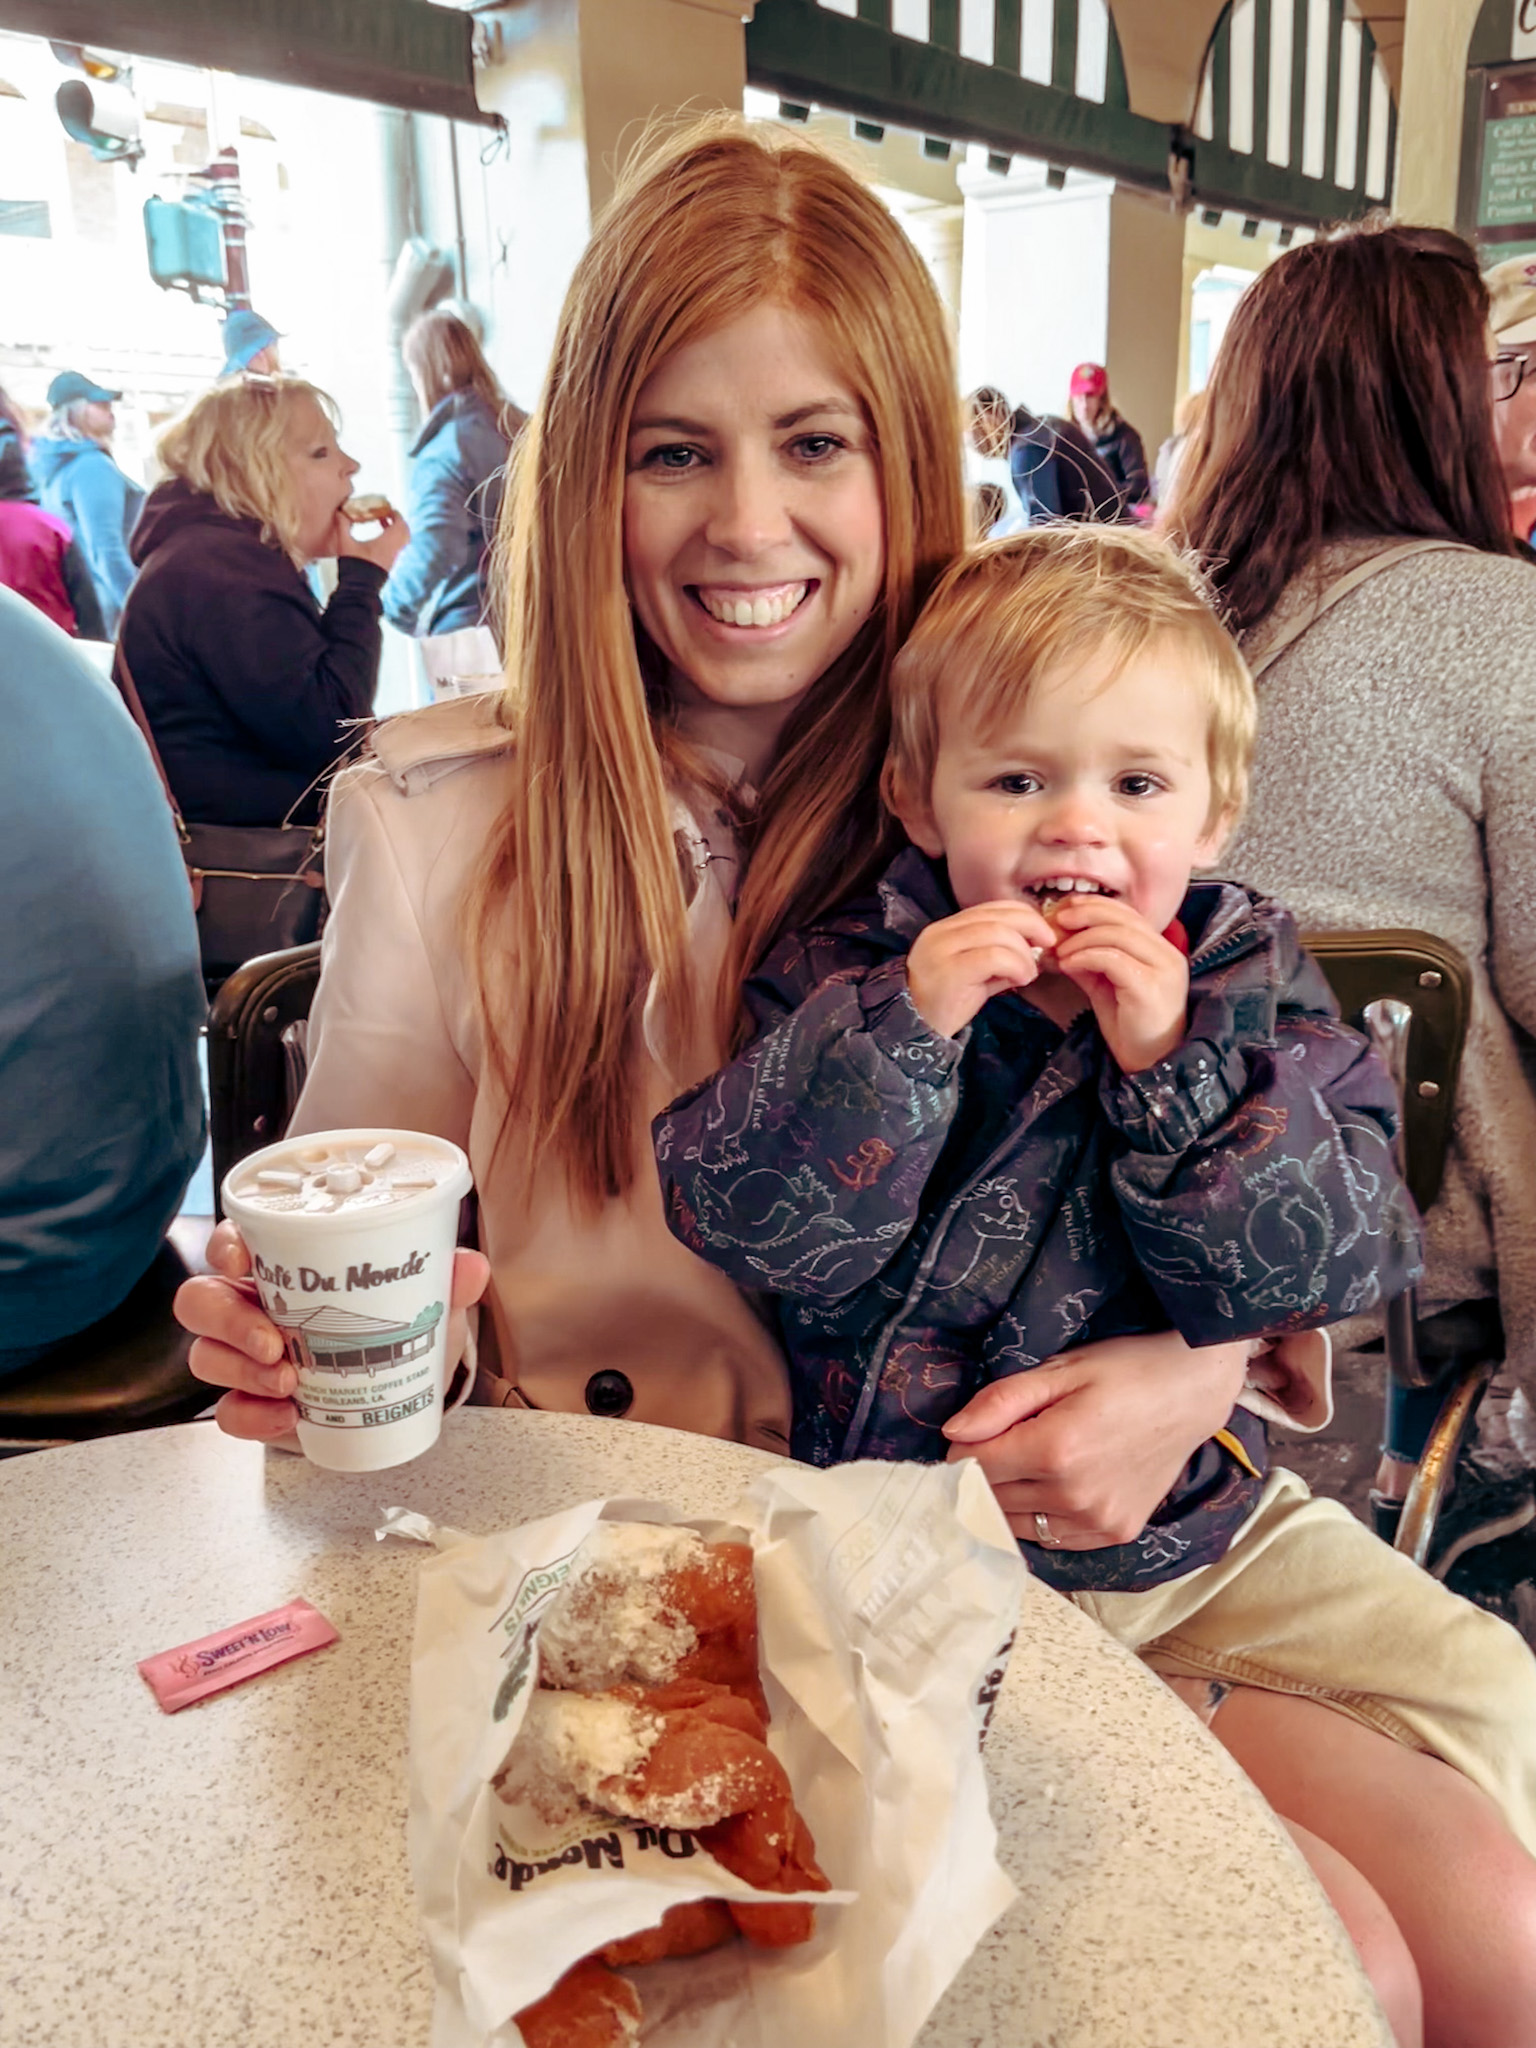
x,y
1010,612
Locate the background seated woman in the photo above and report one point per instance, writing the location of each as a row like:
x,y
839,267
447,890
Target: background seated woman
x,y
1396,773
250,687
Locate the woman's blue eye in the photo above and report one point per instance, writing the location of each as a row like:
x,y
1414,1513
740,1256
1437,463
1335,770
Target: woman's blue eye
x,y
675,457
817,447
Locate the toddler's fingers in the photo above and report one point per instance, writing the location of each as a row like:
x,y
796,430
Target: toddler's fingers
x,y
1021,917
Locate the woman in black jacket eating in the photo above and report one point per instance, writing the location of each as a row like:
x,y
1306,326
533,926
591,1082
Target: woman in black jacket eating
x,y
250,687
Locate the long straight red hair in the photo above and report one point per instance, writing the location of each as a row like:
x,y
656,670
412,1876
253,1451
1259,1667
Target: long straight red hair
x,y
580,902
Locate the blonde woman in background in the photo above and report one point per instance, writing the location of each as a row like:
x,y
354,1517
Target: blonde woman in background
x,y
250,687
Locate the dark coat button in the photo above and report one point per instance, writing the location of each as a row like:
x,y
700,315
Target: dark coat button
x,y
609,1393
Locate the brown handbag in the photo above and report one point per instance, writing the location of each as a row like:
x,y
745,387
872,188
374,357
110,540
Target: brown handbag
x,y
255,888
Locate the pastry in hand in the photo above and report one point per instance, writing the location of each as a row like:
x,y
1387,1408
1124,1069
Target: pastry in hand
x,y
367,510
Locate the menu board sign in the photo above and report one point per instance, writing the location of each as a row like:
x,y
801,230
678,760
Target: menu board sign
x,y
1507,195
1506,190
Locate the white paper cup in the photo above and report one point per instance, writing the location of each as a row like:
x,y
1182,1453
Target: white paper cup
x,y
359,1281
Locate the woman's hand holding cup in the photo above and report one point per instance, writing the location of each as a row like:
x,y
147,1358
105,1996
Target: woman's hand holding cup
x,y
239,1347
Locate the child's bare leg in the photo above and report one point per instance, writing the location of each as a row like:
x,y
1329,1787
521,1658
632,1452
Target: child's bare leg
x,y
1453,1878
1376,1936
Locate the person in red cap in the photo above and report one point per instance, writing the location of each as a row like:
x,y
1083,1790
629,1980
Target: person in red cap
x,y
1116,442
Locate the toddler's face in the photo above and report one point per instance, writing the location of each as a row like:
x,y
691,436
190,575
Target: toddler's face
x,y
1097,783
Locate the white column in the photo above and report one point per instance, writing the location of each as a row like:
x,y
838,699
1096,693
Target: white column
x,y
1430,106
1034,297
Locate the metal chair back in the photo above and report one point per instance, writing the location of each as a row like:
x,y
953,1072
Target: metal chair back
x,y
256,1054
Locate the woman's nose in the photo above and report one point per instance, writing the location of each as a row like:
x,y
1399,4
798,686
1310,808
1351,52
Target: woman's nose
x,y
349,465
748,515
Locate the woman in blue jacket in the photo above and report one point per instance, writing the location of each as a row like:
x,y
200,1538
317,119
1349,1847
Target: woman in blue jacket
x,y
459,464
81,483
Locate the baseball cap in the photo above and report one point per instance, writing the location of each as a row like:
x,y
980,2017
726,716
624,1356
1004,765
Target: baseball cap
x,y
1512,295
69,386
246,334
1089,379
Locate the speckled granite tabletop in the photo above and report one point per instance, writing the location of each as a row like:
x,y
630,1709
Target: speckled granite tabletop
x,y
236,1874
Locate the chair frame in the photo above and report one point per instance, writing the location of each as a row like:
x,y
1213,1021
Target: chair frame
x,y
253,1056
1411,993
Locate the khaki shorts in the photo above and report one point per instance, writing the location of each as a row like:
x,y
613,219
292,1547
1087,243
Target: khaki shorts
x,y
1308,1601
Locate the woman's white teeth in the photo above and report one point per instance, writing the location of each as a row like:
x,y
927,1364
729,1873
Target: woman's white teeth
x,y
766,608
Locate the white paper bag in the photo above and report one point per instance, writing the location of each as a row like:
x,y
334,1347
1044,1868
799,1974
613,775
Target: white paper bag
x,y
887,1595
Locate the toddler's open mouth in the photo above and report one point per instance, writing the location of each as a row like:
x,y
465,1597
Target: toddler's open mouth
x,y
1053,890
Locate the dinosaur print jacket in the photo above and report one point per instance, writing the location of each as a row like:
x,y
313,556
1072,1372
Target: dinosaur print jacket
x,y
934,1213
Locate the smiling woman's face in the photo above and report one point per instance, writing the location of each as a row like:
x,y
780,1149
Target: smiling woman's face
x,y
754,528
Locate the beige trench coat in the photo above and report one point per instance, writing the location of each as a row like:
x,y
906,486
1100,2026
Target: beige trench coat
x,y
393,1041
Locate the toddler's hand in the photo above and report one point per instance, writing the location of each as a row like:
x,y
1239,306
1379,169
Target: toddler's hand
x,y
960,962
1136,980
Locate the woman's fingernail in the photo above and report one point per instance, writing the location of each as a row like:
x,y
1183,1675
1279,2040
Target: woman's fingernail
x,y
269,1347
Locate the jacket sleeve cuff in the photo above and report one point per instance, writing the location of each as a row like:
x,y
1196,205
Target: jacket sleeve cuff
x,y
356,576
1173,1105
900,1033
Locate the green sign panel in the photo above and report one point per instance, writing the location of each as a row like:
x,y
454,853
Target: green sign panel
x,y
1507,197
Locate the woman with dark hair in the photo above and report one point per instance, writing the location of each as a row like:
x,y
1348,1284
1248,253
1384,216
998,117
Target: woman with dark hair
x,y
1344,490
438,586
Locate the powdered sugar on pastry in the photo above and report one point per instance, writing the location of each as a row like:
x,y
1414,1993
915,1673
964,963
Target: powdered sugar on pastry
x,y
568,1746
616,1616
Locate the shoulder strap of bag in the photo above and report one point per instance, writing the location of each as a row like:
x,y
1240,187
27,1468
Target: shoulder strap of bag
x,y
127,689
1341,587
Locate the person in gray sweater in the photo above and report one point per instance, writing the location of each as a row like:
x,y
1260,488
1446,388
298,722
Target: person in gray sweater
x,y
1395,779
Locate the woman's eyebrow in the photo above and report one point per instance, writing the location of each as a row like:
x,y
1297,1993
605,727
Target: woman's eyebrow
x,y
820,405
698,428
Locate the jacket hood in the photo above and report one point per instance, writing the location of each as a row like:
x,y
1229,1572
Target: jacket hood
x,y
467,410
174,506
52,453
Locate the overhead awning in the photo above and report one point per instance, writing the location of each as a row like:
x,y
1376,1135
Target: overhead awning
x,y
1318,148
399,53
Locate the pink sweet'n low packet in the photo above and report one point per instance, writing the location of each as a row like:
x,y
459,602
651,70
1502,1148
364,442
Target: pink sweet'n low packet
x,y
213,1663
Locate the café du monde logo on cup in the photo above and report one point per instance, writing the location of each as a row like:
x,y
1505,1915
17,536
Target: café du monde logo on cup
x,y
331,1338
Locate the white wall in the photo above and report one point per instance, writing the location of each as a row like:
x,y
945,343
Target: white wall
x,y
1034,294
